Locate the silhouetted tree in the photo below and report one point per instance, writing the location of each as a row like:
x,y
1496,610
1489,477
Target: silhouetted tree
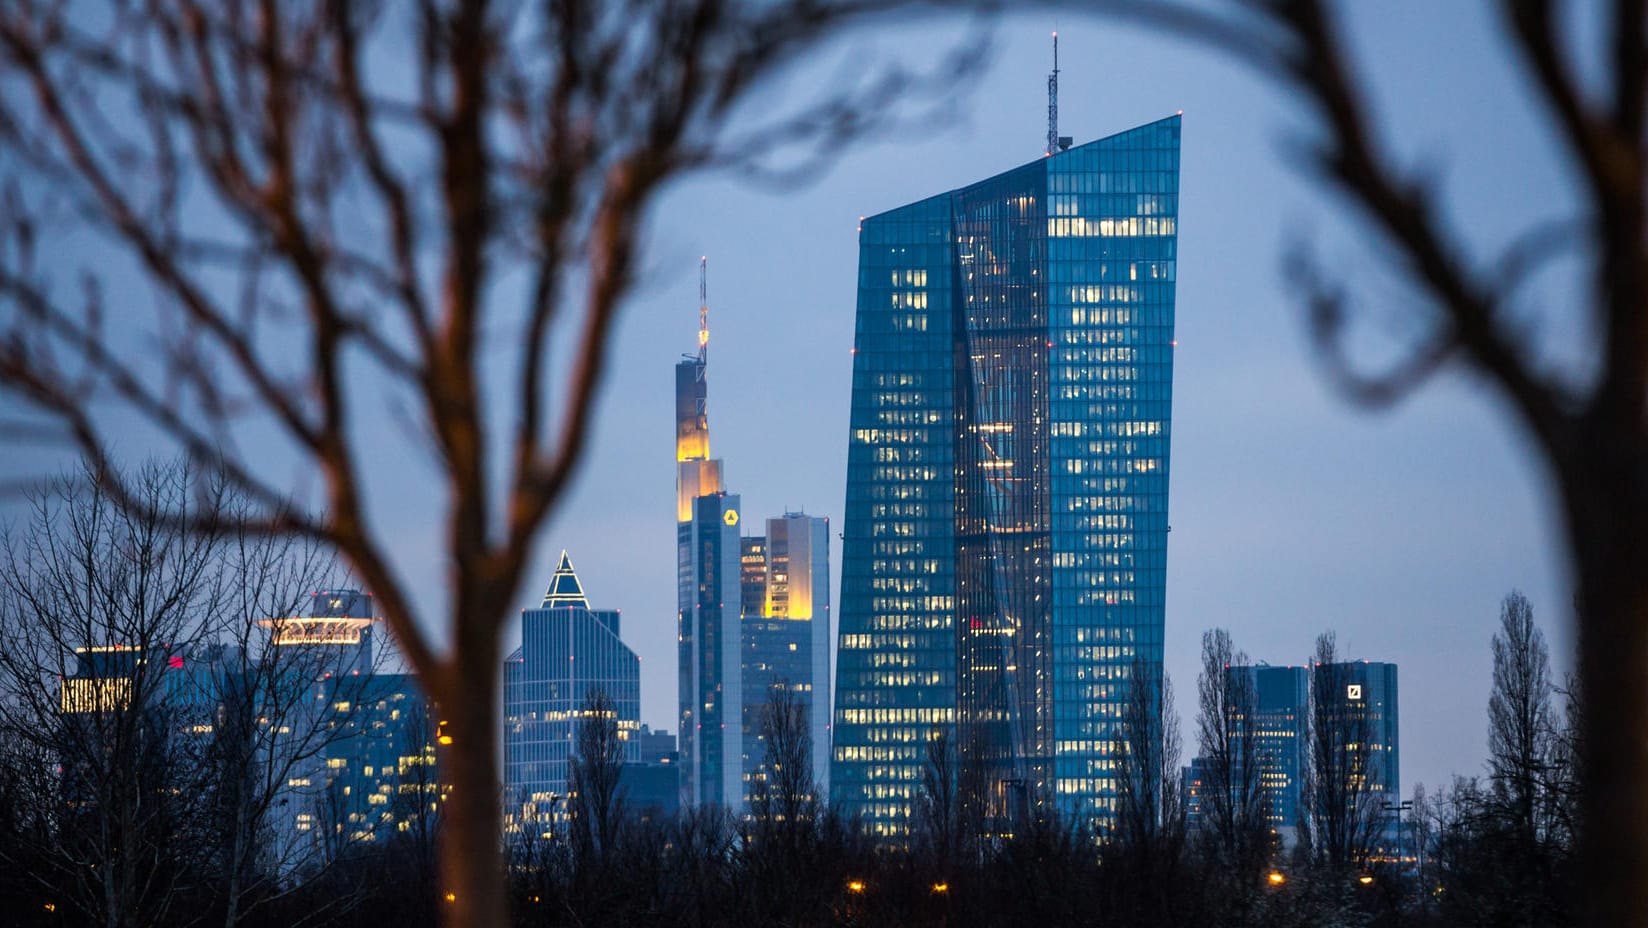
x,y
1590,428
321,197
99,609
595,799
1342,795
1149,836
1233,806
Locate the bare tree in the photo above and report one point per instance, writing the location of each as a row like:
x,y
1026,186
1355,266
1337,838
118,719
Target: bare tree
x,y
1147,750
1149,837
596,801
1591,429
937,813
99,609
1233,804
276,702
1521,730
785,795
1342,790
437,200
1519,831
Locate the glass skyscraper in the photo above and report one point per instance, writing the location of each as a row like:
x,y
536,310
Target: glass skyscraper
x,y
1005,552
786,633
709,590
1358,700
1278,720
568,652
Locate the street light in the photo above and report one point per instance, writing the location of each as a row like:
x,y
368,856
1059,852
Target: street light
x,y
855,886
1276,878
1405,805
1365,879
941,887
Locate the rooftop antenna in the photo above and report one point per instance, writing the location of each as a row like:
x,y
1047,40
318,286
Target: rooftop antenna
x,y
703,308
1053,100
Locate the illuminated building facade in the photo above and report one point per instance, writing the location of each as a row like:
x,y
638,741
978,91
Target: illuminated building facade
x,y
1357,700
376,779
568,652
1005,550
709,584
337,631
1280,737
786,633
366,771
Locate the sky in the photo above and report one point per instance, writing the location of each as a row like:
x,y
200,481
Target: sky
x,y
1292,512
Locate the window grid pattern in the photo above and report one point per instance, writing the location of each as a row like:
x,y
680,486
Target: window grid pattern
x,y
1004,556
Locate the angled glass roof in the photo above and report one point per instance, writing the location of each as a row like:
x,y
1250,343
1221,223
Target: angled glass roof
x,y
564,588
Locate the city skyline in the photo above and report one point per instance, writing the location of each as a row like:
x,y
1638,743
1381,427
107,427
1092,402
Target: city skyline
x,y
1369,268
1294,513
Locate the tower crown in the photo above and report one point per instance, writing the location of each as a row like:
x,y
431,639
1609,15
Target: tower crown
x,y
564,588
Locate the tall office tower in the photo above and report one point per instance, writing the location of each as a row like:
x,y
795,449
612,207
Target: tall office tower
x,y
1356,702
568,652
752,576
1005,549
709,594
1279,721
328,658
786,635
375,777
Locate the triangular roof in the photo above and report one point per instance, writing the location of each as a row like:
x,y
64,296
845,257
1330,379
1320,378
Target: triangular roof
x,y
564,588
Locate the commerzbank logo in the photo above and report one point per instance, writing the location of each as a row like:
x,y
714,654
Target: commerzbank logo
x,y
731,518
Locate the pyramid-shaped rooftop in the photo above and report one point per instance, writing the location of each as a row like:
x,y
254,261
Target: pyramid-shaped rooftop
x,y
564,588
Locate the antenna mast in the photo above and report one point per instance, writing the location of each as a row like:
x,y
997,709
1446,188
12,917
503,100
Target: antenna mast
x,y
703,308
1053,101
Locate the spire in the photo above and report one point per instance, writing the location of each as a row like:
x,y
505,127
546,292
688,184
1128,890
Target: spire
x,y
703,308
564,588
1053,100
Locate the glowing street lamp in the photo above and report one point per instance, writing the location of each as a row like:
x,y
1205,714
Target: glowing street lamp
x,y
1365,879
855,886
941,887
1276,878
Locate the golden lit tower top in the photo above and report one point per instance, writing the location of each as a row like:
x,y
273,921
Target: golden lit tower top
x,y
696,474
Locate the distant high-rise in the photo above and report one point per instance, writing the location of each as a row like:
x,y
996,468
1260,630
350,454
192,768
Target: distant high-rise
x,y
786,633
1005,552
568,652
1356,701
337,632
709,594
1279,723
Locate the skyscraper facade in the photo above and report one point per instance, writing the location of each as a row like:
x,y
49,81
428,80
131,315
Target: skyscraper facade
x,y
1357,701
1279,722
568,653
786,633
709,595
1004,562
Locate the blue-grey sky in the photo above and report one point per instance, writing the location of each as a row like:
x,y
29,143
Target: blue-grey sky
x,y
1292,513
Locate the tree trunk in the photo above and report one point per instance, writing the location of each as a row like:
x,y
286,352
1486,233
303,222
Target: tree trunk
x,y
1607,508
472,888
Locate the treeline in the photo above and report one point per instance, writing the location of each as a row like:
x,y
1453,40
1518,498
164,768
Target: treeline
x,y
129,798
156,748
1494,849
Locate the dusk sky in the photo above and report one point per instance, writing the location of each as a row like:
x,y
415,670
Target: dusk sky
x,y
1292,512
